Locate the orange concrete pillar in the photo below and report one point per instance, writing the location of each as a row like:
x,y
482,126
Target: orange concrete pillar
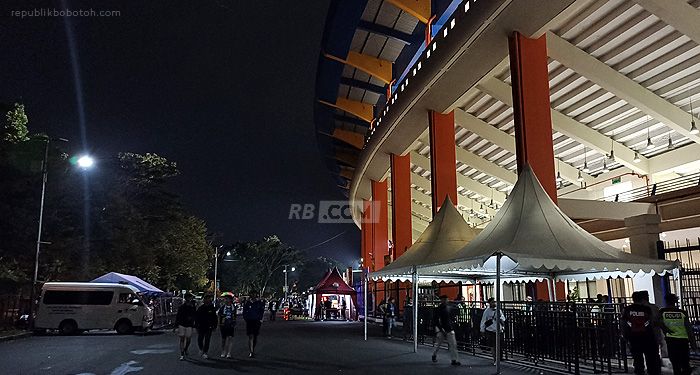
x,y
531,108
380,223
367,237
401,227
443,161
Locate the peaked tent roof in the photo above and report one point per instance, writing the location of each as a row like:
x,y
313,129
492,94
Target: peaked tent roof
x,y
120,278
444,236
537,237
333,283
323,279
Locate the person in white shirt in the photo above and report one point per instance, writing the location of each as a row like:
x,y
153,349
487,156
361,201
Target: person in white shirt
x,y
488,325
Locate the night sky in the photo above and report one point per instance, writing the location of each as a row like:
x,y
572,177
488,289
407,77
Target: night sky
x,y
223,87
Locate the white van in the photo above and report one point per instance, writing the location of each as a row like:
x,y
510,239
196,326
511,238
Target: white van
x,y
74,307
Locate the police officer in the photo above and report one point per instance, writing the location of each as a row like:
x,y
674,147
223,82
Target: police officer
x,y
638,322
679,334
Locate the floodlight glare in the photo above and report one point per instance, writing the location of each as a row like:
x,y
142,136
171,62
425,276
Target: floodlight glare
x,y
86,162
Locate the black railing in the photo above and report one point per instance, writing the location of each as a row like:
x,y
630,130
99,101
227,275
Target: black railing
x,y
12,309
683,182
558,335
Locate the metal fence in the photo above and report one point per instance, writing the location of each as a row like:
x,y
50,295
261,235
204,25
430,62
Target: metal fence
x,y
546,334
12,307
165,311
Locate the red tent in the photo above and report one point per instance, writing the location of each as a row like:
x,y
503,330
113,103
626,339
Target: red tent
x,y
333,284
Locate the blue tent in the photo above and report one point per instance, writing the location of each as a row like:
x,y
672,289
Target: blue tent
x,y
120,278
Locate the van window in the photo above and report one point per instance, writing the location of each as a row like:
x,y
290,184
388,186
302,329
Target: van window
x,y
78,297
127,297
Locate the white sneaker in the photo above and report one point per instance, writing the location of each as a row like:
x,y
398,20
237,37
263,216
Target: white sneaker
x,y
228,356
205,356
223,355
182,357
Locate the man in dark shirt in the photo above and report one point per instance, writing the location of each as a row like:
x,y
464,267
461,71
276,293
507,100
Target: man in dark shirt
x,y
390,316
253,311
679,335
206,321
272,307
638,323
442,320
185,321
227,319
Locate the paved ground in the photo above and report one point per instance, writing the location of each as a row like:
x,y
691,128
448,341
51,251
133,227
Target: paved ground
x,y
289,347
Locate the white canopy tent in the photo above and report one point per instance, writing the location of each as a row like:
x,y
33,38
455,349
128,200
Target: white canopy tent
x,y
444,236
530,238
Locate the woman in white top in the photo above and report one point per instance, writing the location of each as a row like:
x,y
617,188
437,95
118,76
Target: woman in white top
x,y
488,325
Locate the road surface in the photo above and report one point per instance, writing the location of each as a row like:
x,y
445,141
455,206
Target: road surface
x,y
284,348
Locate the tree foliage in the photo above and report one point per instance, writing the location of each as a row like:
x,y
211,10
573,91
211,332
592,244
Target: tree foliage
x,y
257,266
14,127
119,217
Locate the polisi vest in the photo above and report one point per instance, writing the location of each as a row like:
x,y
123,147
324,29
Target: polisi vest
x,y
675,321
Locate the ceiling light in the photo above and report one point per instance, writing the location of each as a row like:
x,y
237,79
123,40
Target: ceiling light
x,y
580,177
693,129
637,159
650,144
670,143
605,167
559,179
585,167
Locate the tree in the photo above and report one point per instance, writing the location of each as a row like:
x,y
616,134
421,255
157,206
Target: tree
x,y
14,128
258,265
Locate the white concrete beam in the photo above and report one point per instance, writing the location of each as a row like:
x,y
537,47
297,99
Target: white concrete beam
x,y
676,158
676,13
462,180
620,85
507,142
578,209
572,128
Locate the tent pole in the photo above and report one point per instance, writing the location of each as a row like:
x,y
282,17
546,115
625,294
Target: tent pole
x,y
679,290
498,312
415,309
364,290
550,284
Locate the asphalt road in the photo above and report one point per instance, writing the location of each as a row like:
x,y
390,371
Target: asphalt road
x,y
284,347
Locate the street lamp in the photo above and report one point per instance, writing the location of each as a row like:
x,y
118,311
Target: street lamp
x,y
286,285
216,265
87,163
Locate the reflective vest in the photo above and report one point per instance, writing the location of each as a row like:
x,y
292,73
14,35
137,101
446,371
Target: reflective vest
x,y
675,321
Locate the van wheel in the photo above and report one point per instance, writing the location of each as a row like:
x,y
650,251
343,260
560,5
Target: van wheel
x,y
68,327
124,327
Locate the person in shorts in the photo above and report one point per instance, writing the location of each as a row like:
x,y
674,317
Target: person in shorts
x,y
185,322
253,312
227,323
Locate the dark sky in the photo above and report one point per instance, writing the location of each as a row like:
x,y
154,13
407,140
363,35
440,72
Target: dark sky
x,y
223,87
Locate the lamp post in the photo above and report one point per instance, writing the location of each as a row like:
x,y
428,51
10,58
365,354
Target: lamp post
x,y
216,266
286,287
87,162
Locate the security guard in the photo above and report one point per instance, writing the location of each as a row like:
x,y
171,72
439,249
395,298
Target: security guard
x,y
679,334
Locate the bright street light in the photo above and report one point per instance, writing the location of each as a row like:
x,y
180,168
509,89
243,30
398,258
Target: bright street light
x,y
86,162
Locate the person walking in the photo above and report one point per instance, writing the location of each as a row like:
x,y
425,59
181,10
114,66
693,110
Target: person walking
x,y
679,335
185,321
253,312
227,323
390,316
638,322
206,321
408,319
272,307
488,327
444,331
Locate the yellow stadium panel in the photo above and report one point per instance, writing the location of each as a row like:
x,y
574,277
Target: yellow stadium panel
x,y
371,65
365,111
420,9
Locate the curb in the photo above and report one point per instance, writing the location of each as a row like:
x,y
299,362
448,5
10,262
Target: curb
x,y
16,336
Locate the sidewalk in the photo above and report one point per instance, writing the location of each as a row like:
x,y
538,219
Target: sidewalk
x,y
14,334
